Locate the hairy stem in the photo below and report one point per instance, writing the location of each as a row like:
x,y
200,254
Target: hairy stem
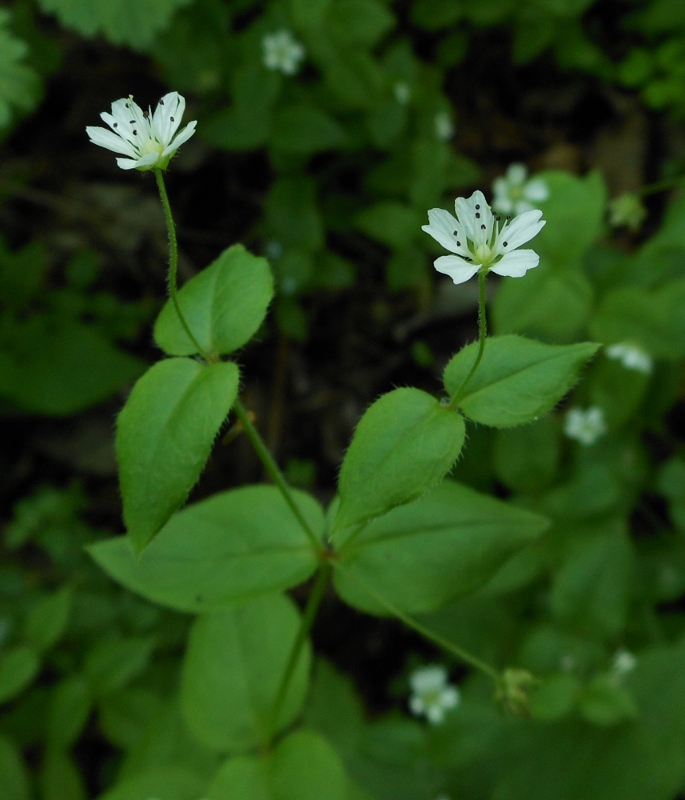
x,y
410,622
306,623
482,335
173,261
274,472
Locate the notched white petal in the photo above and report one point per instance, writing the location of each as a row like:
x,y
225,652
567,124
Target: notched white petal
x,y
516,264
457,268
109,140
444,228
536,190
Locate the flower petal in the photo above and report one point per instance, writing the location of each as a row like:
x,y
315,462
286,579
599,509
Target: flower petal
x,y
482,218
521,229
457,268
126,163
181,137
536,190
515,265
442,227
464,211
147,160
112,141
168,115
516,174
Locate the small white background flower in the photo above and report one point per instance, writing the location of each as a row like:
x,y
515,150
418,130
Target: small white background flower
x,y
432,695
479,240
585,425
514,193
443,125
623,662
149,140
631,355
282,52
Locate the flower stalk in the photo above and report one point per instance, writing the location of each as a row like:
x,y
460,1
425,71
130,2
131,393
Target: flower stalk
x,y
482,335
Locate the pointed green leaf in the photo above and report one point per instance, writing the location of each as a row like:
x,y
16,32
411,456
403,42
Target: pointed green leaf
x,y
47,620
232,671
165,433
305,129
420,556
224,305
219,552
18,667
517,380
160,783
128,22
19,84
302,767
402,447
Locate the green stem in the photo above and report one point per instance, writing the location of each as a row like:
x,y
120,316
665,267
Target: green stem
x,y
410,622
173,261
306,623
482,335
659,186
274,472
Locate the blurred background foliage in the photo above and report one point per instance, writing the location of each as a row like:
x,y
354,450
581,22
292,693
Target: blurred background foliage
x,y
396,108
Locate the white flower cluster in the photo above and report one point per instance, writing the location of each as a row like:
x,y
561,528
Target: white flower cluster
x,y
514,193
432,695
481,241
149,140
282,52
585,425
632,356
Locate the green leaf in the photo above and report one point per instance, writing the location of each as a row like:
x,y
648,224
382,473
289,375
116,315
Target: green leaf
x,y
246,124
232,671
48,619
308,15
19,84
123,22
55,366
526,459
605,702
161,783
652,319
551,304
574,213
224,305
14,778
306,130
302,767
403,446
225,550
445,545
18,667
390,222
60,778
359,22
165,433
113,663
70,707
517,380
292,215
555,697
592,589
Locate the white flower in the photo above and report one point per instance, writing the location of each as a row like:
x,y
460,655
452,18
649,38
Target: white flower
x,y
632,356
623,663
444,127
282,52
480,241
402,92
513,194
432,695
146,138
585,425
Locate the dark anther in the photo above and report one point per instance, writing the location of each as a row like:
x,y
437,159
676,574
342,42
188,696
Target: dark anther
x,y
115,124
128,105
161,102
482,227
132,122
477,206
135,133
477,215
455,233
146,114
458,244
505,244
171,118
466,258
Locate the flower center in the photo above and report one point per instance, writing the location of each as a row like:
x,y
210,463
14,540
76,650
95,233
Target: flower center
x,y
152,146
483,255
